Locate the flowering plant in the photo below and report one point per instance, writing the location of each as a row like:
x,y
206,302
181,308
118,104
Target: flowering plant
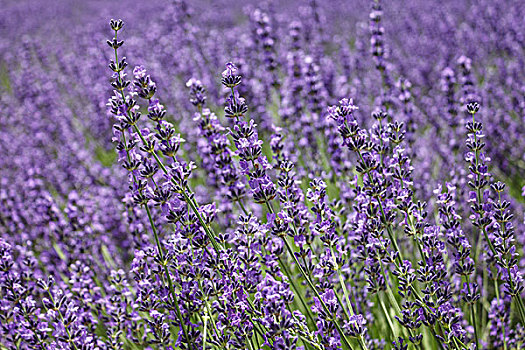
x,y
315,195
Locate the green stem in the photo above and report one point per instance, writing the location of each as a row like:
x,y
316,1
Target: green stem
x,y
204,332
346,295
297,290
305,276
496,288
168,277
70,339
255,324
473,316
206,228
388,319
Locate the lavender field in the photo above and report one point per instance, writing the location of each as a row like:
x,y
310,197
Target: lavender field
x,y
339,174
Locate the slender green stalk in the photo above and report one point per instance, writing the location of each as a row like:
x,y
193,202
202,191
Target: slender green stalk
x,y
297,290
70,338
210,315
346,295
387,316
473,315
205,318
255,324
342,283
496,288
250,344
305,276
206,228
168,277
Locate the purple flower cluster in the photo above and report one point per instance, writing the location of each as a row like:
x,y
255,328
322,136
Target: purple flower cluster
x,y
354,179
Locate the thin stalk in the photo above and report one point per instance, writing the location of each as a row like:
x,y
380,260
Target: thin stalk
x,y
255,324
342,283
305,276
206,228
205,318
70,338
209,313
297,290
496,288
250,345
387,316
473,316
346,295
168,277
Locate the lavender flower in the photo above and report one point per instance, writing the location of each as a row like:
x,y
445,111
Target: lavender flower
x,y
164,205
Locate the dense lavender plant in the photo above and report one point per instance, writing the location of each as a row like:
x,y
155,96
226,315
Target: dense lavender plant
x,y
245,211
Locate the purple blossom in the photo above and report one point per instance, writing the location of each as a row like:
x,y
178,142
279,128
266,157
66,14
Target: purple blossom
x,y
153,202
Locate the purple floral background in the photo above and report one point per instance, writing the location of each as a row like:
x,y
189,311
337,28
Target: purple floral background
x,y
262,175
